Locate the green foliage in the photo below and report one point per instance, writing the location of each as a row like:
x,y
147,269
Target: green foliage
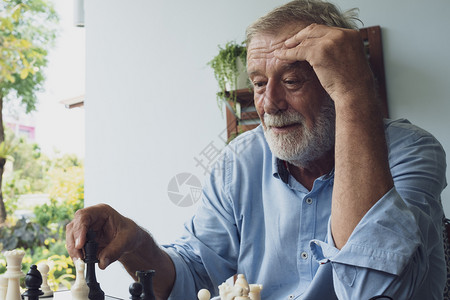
x,y
30,167
62,177
66,191
54,253
23,234
62,271
27,172
27,31
56,215
8,147
224,65
43,237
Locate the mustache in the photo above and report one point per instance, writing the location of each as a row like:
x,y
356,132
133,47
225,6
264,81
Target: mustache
x,y
283,119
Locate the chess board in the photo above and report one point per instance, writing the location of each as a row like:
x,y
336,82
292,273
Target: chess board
x,y
66,295
37,286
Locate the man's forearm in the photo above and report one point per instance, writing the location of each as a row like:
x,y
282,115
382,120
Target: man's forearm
x,y
362,174
150,256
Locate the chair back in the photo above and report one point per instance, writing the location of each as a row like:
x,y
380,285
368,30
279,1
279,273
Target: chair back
x,y
447,256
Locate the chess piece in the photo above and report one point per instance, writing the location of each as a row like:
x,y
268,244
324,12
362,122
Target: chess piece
x,y
33,281
204,294
44,269
90,251
3,287
14,273
255,291
136,290
80,289
146,279
242,298
227,292
242,282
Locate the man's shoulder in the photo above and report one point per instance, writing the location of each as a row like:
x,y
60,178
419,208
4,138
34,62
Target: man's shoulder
x,y
406,141
400,124
403,129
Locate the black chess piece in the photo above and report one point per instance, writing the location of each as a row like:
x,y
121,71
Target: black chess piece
x,y
135,290
146,279
90,253
33,282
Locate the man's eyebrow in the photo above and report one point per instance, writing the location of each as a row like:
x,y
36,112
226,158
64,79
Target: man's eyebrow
x,y
254,73
286,67
292,66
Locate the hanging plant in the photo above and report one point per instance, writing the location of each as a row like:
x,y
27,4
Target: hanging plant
x,y
226,70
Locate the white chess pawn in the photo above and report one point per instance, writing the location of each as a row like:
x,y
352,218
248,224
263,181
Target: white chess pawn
x,y
3,287
242,282
255,291
14,273
44,269
204,294
227,292
80,289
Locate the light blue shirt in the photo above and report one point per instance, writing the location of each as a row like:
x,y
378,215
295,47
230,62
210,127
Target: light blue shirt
x,y
256,219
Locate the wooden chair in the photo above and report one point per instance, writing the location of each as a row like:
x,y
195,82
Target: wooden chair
x,y
374,51
447,256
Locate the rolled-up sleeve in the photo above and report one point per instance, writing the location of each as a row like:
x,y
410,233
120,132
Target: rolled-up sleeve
x,y
184,285
384,240
379,251
396,249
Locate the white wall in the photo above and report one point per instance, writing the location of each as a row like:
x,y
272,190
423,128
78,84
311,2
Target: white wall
x,y
150,107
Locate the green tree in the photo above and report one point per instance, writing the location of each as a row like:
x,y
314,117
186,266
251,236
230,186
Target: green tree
x,y
66,191
29,164
27,173
27,30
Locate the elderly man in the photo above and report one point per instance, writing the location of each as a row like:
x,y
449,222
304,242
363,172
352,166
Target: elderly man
x,y
324,200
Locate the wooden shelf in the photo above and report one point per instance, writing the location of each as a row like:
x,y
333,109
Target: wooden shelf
x,y
242,115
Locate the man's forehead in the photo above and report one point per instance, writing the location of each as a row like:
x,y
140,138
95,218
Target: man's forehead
x,y
276,38
283,67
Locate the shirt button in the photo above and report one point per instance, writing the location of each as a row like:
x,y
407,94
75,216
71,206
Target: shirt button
x,y
291,296
309,200
304,255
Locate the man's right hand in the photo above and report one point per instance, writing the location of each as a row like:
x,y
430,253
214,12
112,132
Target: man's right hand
x,y
121,239
116,234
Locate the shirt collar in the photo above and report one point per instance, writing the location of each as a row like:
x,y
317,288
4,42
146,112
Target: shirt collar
x,y
280,170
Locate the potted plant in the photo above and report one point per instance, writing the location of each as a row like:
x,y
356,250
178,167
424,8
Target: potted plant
x,y
229,67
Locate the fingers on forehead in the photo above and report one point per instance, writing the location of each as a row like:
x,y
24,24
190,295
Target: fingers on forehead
x,y
303,34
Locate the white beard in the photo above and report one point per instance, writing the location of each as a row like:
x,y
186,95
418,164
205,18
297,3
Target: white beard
x,y
302,145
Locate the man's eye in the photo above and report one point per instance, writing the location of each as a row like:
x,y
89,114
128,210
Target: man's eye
x,y
290,82
293,83
259,84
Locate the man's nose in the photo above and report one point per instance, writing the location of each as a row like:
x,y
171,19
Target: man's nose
x,y
274,98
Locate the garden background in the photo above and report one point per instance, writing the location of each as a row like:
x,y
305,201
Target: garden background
x,y
41,64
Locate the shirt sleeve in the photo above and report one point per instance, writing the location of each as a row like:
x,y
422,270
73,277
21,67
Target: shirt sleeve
x,y
376,254
396,249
